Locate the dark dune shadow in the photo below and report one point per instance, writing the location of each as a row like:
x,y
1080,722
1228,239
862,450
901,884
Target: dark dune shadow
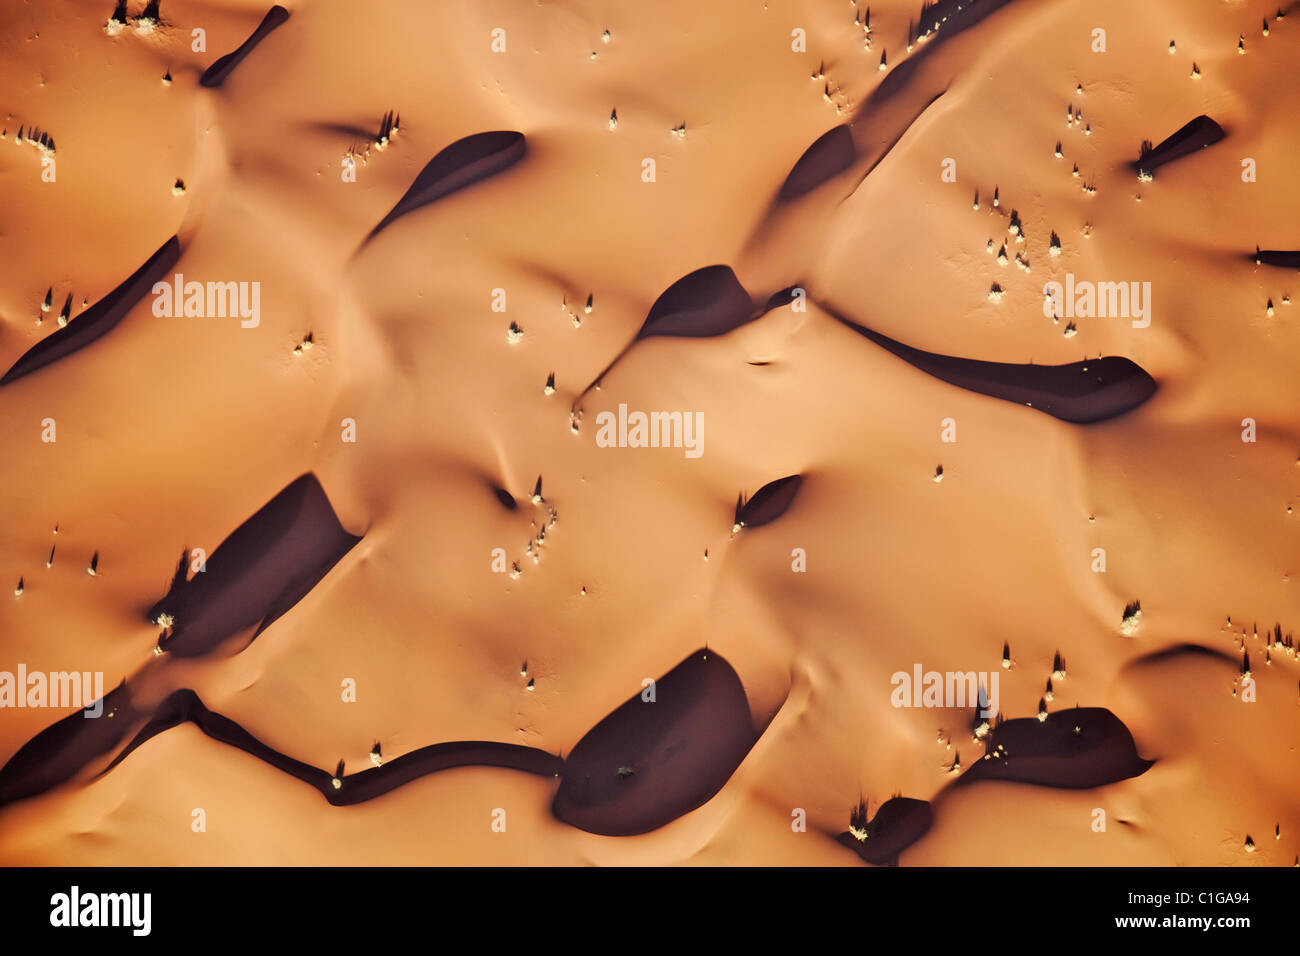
x,y
179,578
100,317
1280,259
828,156
647,764
643,766
506,499
701,304
899,823
184,706
1082,393
782,298
217,73
871,141
952,21
883,118
940,19
1072,749
1194,136
769,502
355,131
893,107
1184,652
262,569
463,163
60,751
350,130
377,781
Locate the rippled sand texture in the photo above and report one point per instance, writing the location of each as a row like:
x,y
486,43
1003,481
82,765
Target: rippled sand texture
x,y
836,262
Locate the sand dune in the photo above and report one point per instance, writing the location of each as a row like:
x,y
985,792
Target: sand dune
x,y
216,74
98,319
1195,135
1083,392
464,162
255,575
483,484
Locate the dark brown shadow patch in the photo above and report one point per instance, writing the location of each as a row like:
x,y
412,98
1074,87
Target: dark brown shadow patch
x,y
1192,137
463,163
1081,393
701,304
262,569
641,767
768,503
1288,259
1071,749
506,499
899,823
828,156
60,751
941,19
100,317
786,297
647,764
707,302
184,706
1184,651
217,73
893,107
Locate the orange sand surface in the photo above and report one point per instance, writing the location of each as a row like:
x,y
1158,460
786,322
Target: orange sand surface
x,y
408,372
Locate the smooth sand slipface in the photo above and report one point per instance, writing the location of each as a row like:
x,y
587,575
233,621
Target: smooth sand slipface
x,y
174,432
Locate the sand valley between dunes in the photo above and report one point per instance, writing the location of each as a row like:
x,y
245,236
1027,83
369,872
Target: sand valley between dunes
x,y
544,432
